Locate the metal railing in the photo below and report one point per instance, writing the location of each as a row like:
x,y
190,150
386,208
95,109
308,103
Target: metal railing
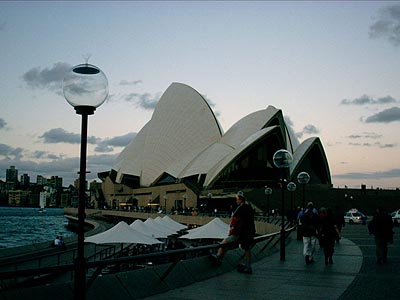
x,y
14,278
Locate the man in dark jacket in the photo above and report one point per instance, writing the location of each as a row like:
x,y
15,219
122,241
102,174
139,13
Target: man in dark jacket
x,y
381,227
242,231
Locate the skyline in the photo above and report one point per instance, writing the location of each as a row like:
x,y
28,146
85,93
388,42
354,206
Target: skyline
x,y
330,66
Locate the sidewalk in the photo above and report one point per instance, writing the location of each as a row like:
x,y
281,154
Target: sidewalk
x,y
273,279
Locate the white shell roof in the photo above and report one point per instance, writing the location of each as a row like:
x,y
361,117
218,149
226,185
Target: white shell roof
x,y
182,126
247,126
216,170
300,152
183,138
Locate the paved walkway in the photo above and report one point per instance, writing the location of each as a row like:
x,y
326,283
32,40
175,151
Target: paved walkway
x,y
292,279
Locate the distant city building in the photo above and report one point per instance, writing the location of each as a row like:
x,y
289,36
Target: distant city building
x,y
25,180
12,174
40,180
18,198
56,182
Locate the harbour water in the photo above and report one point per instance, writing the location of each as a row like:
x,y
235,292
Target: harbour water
x,y
20,226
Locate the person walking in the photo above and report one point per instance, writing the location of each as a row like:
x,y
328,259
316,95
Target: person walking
x,y
339,221
310,223
241,231
328,234
381,227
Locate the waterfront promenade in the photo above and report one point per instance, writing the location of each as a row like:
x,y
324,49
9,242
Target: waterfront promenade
x,y
354,275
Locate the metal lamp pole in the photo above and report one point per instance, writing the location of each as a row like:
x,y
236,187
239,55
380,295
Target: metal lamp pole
x,y
268,192
85,87
282,160
303,178
291,186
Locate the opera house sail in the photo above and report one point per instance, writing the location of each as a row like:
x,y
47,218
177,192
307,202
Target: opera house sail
x,y
183,142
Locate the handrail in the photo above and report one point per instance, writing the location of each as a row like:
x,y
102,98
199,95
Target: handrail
x,y
127,259
11,279
58,254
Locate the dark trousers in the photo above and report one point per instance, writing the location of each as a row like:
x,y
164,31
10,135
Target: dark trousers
x,y
381,248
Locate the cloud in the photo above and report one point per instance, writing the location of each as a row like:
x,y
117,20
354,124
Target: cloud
x,y
3,124
45,155
370,135
59,135
2,26
47,78
365,100
377,144
118,141
10,152
385,116
308,129
388,24
145,101
393,173
126,82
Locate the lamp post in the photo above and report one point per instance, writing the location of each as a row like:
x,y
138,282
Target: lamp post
x,y
282,160
85,87
165,203
303,178
268,192
184,204
291,186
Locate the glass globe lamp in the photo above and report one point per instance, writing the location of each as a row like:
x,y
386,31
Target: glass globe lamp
x,y
291,186
85,87
303,178
282,159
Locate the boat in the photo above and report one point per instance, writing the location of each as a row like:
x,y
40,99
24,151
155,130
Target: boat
x,y
42,205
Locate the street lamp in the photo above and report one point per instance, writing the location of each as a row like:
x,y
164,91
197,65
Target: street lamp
x,y
303,178
85,87
268,192
165,203
184,204
291,186
282,160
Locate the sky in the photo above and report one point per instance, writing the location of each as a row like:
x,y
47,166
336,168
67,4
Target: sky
x,y
332,67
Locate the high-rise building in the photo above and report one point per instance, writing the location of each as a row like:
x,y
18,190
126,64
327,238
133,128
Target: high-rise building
x,y
40,180
25,180
56,182
12,174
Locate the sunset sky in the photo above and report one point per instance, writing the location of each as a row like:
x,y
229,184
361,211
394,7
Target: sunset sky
x,y
332,67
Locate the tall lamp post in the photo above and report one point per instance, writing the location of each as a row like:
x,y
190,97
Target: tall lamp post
x,y
303,178
282,160
268,192
85,87
165,203
184,204
291,186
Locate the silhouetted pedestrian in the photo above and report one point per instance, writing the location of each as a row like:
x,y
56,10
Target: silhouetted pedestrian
x,y
310,222
381,227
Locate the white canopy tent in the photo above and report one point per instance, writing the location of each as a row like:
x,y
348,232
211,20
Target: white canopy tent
x,y
122,234
170,223
215,229
140,226
153,224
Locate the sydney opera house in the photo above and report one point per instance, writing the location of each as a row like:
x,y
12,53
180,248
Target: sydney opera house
x,y
182,154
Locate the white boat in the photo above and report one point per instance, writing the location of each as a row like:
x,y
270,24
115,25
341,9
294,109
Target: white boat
x,y
42,203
